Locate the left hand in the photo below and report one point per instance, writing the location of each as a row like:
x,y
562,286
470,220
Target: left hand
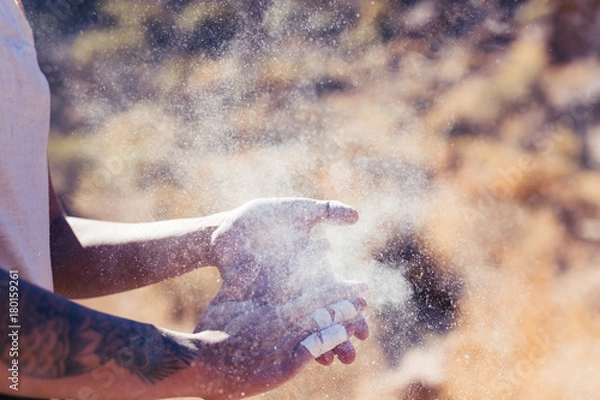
x,y
258,240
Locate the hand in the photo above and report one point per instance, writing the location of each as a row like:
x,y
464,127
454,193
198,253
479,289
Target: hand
x,y
250,346
258,241
265,254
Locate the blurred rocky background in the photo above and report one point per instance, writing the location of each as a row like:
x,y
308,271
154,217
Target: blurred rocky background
x,y
466,133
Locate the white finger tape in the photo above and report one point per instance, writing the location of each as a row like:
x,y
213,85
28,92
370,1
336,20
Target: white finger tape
x,y
322,318
333,336
321,342
344,311
313,344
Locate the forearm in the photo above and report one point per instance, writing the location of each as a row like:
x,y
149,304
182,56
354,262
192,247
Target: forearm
x,y
112,257
64,350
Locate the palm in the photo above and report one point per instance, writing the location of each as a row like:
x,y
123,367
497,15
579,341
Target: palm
x,y
274,277
250,355
254,344
264,248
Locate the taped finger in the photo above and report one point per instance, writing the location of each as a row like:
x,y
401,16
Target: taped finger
x,y
320,342
344,311
322,317
325,296
336,313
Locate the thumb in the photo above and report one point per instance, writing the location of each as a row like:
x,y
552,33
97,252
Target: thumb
x,y
335,212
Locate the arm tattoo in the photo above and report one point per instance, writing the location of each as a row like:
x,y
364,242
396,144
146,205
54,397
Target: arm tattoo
x,y
59,338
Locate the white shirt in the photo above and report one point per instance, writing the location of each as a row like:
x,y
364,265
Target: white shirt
x,y
24,126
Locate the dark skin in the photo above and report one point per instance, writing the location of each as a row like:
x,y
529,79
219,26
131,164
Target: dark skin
x,y
66,347
69,351
115,257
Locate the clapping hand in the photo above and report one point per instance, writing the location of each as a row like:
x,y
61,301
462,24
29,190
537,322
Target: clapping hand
x,y
263,238
280,304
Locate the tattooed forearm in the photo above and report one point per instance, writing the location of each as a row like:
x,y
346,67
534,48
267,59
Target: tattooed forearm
x,y
59,338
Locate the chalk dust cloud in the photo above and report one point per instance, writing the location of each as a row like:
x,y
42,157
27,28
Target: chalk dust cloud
x,y
465,133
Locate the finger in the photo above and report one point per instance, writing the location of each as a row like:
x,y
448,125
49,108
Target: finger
x,y
334,212
345,310
326,358
310,211
345,352
361,329
312,320
324,296
319,343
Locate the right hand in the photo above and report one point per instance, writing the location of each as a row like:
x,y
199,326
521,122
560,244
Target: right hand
x,y
249,346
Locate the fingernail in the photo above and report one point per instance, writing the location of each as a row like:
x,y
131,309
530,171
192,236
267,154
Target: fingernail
x,y
360,303
337,210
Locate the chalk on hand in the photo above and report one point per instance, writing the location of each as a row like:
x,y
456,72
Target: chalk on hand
x,y
321,342
344,311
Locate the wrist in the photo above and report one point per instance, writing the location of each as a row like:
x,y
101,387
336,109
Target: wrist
x,y
201,377
202,245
